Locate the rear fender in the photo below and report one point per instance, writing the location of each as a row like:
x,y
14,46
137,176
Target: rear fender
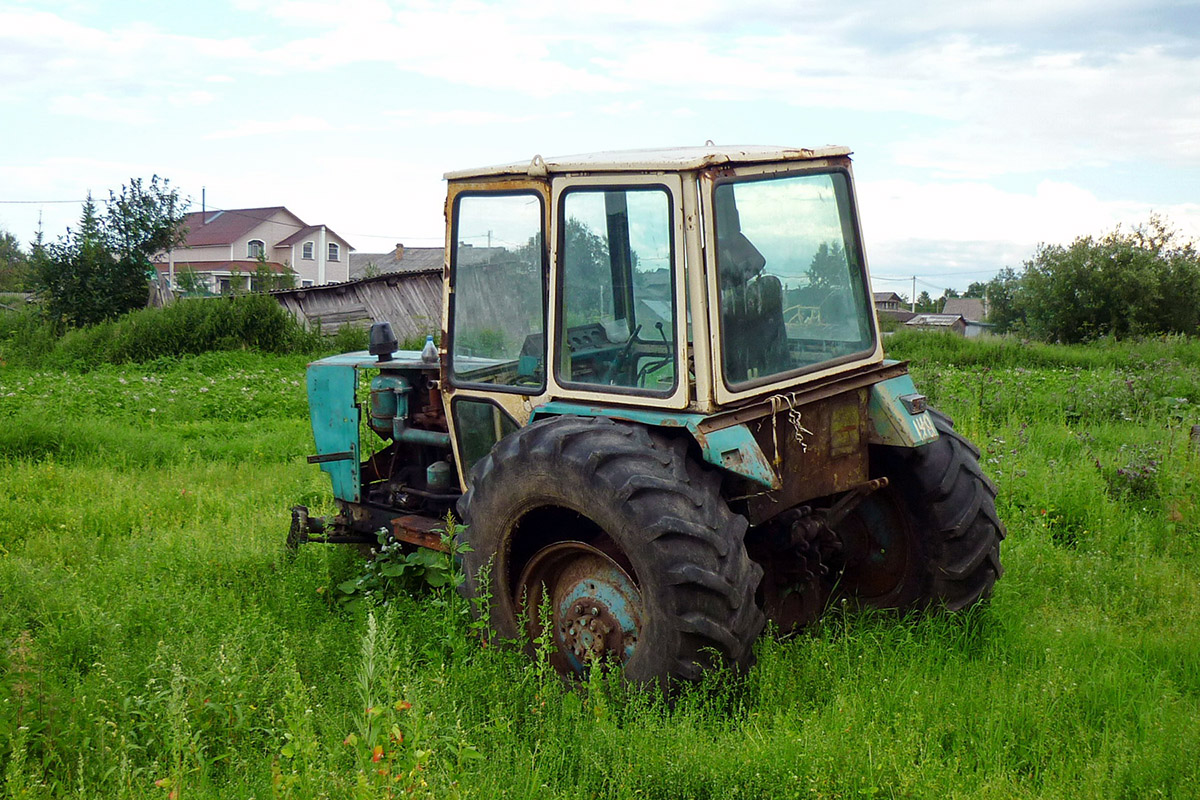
x,y
732,448
898,415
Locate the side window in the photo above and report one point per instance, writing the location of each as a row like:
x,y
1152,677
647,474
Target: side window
x,y
254,248
497,312
480,425
617,279
307,252
334,251
792,288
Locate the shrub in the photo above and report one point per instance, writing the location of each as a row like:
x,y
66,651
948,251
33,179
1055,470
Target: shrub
x,y
187,327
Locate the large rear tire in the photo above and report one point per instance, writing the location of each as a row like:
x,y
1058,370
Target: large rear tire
x,y
932,537
641,560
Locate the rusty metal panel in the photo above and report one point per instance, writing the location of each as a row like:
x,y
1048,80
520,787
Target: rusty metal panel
x,y
817,449
418,530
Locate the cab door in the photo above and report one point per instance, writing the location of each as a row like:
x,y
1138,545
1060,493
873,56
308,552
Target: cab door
x,y
495,342
619,316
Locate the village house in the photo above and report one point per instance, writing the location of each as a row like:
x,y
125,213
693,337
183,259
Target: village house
x,y
888,301
225,248
972,309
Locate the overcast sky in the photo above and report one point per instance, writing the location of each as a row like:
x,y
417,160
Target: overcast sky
x,y
979,129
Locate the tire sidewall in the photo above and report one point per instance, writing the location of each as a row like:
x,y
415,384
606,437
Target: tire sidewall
x,y
497,503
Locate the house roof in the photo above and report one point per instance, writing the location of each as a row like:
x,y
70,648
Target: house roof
x,y
880,297
669,159
409,260
244,267
306,232
971,308
225,226
936,320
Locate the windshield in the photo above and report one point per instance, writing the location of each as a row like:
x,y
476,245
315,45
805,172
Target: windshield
x,y
791,284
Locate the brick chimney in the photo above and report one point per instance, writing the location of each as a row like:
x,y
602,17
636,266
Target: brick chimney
x,y
399,251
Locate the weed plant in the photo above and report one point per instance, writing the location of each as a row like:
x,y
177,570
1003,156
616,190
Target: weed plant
x,y
157,639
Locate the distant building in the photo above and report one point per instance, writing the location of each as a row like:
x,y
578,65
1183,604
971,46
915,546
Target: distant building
x,y
398,259
972,309
888,301
939,322
224,249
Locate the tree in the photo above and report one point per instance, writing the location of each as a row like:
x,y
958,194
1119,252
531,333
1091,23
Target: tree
x,y
13,263
76,274
976,289
266,279
1143,282
102,269
925,303
190,282
588,283
828,269
1001,293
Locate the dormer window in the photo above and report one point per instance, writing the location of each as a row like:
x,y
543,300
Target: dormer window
x,y
334,251
255,248
307,251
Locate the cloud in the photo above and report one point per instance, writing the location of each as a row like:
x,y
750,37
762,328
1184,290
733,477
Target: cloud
x,y
973,228
272,127
994,95
951,97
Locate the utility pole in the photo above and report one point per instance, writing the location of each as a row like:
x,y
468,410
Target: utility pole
x,y
914,295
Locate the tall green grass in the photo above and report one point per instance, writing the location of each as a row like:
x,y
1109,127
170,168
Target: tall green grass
x,y
1009,351
156,637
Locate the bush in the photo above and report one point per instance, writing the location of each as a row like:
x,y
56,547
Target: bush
x,y
187,327
1146,281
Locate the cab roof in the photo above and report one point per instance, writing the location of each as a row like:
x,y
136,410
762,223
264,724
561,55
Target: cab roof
x,y
671,159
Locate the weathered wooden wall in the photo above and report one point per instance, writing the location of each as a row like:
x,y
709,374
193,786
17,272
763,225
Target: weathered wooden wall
x,y
411,301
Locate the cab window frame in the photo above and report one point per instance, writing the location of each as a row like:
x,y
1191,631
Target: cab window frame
x,y
451,376
560,309
849,221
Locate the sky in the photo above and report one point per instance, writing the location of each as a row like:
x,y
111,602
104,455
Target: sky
x,y
979,129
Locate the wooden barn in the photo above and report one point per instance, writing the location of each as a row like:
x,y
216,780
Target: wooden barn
x,y
411,301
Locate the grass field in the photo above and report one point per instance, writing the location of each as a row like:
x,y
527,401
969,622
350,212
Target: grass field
x,y
157,641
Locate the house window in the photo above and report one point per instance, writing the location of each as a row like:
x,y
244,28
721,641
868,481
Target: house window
x,y
255,248
308,251
334,250
306,282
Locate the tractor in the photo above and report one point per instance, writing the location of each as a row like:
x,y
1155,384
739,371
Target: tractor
x,y
660,411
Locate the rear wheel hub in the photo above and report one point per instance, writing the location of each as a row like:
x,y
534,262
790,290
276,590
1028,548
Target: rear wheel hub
x,y
595,608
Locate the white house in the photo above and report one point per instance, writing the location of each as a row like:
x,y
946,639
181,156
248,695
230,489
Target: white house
x,y
223,249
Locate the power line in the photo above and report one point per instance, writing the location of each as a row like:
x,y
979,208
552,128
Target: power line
x,y
237,213
51,202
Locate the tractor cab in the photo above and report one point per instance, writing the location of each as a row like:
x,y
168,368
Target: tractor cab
x,y
688,280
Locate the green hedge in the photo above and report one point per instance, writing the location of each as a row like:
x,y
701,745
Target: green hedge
x,y
187,327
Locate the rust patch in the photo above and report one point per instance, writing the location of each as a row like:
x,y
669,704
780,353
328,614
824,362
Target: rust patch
x,y
418,530
819,449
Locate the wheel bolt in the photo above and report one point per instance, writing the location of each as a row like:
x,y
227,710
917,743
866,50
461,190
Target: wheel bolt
x,y
595,611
